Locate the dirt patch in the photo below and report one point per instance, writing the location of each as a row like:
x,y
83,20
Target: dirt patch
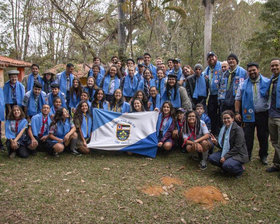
x,y
206,196
167,181
153,190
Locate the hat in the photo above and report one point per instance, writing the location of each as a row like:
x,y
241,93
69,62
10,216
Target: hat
x,y
198,66
13,72
54,85
211,53
182,110
176,60
37,85
172,75
233,56
140,65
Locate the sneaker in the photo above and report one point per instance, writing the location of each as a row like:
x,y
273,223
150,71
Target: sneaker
x,y
75,152
264,161
203,165
12,155
272,169
55,154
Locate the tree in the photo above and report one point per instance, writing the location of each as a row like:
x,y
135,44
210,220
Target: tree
x,y
208,18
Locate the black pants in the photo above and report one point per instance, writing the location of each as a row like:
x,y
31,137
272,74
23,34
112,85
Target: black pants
x,y
261,123
22,151
213,113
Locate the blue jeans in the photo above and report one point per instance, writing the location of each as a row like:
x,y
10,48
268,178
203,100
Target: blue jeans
x,y
230,165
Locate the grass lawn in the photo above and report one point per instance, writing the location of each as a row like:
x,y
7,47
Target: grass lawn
x,y
106,188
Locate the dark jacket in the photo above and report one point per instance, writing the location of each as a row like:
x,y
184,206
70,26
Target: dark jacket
x,y
190,86
238,149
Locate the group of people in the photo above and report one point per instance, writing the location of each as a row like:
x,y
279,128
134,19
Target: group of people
x,y
198,108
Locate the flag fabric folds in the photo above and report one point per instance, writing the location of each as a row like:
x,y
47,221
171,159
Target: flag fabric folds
x,y
132,132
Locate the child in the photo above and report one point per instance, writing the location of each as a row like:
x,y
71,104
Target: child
x,y
62,134
154,100
83,124
199,108
165,126
177,134
15,128
196,135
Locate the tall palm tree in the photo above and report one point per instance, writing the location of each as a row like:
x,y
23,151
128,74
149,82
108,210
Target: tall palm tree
x,y
209,5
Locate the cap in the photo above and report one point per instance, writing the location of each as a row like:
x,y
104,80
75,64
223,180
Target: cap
x,y
140,65
233,56
176,60
181,110
13,72
211,53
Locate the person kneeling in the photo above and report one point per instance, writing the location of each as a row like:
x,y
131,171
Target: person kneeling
x,y
62,133
83,124
165,126
196,137
232,142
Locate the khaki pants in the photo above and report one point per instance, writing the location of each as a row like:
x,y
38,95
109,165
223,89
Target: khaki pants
x,y
274,131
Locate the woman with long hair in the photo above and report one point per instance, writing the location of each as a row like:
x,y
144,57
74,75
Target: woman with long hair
x,y
137,105
147,82
48,79
62,133
118,104
196,137
165,126
83,123
90,88
142,96
99,100
15,131
75,94
95,72
111,82
56,105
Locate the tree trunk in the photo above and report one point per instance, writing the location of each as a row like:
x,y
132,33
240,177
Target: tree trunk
x,y
121,30
208,28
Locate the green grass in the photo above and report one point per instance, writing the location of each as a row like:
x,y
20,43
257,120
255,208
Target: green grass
x,y
103,188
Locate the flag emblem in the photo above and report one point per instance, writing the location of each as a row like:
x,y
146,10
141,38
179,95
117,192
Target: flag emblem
x,y
123,132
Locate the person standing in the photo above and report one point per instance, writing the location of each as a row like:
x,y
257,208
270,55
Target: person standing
x,y
229,83
251,102
149,65
274,113
28,81
213,73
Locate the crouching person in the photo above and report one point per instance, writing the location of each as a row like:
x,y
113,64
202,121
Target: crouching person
x,y
15,131
39,130
62,134
196,137
232,142
83,124
165,126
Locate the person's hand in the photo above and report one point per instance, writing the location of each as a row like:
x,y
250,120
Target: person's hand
x,y
238,117
156,109
85,143
60,141
222,160
213,139
160,144
175,134
14,144
44,138
185,142
34,142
